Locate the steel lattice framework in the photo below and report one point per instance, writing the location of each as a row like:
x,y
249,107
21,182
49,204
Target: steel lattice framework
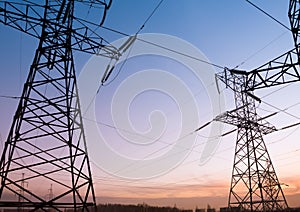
x,y
254,184
46,144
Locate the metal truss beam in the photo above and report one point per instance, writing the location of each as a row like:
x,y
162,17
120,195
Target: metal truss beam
x,y
29,18
281,70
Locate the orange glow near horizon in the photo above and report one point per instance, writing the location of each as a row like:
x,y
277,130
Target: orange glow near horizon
x,y
192,195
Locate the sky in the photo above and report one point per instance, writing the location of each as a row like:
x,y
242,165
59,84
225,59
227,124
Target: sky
x,y
226,33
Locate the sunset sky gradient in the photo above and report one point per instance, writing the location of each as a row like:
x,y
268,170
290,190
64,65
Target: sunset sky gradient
x,y
230,34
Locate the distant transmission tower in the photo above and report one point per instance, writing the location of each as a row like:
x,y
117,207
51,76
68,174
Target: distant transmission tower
x,y
23,183
46,141
254,184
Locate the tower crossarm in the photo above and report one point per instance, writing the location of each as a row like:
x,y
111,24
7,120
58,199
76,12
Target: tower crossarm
x,y
235,117
87,40
281,70
28,17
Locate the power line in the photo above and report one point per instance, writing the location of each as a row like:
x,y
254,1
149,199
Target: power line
x,y
260,50
165,48
180,53
143,25
268,44
287,153
285,137
127,56
158,150
191,149
159,140
151,43
189,162
108,83
192,57
285,86
131,41
173,183
267,14
130,132
281,110
9,97
120,69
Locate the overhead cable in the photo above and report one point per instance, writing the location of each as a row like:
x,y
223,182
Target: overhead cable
x,y
267,14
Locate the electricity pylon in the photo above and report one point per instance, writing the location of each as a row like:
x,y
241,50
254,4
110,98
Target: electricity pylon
x,y
254,183
46,140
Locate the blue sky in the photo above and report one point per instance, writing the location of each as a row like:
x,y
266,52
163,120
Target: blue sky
x,y
228,33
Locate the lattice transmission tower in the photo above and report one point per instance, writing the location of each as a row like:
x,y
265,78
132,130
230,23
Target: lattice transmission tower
x,y
46,142
254,183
